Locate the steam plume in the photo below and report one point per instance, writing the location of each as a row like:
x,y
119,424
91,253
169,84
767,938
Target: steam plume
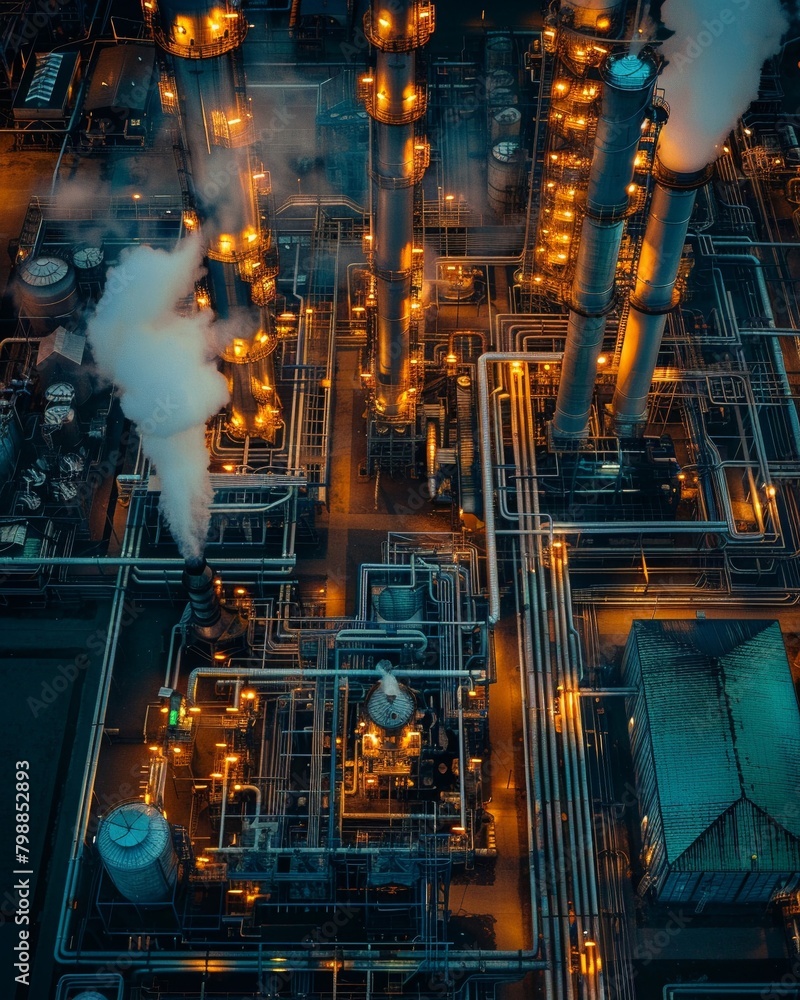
x,y
169,387
714,64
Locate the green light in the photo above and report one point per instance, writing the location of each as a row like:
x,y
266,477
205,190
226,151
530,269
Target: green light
x,y
173,717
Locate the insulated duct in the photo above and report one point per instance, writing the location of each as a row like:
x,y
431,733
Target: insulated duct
x,y
395,101
225,189
627,91
654,295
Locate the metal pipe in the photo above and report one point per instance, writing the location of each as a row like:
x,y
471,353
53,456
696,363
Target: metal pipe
x,y
257,790
283,565
394,104
628,81
751,260
492,572
654,295
432,440
255,674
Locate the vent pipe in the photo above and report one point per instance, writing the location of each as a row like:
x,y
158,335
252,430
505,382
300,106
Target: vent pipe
x,y
198,582
654,295
395,101
211,622
627,92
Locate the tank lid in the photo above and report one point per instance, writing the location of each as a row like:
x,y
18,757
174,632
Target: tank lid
x,y
59,392
629,71
507,116
506,150
44,271
128,826
87,257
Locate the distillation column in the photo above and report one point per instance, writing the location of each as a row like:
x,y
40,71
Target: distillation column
x,y
627,93
225,189
654,295
395,100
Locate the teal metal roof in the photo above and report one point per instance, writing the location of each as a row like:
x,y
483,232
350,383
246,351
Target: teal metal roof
x,y
725,733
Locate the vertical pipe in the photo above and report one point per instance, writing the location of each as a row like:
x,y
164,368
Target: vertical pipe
x,y
627,91
654,295
394,102
224,188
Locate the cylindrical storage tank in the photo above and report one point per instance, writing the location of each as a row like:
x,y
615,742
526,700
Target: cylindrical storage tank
x,y
90,995
89,263
61,419
46,291
499,81
505,124
389,704
135,845
499,50
503,175
399,604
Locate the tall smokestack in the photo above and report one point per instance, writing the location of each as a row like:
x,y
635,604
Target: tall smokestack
x,y
395,101
224,187
654,295
709,84
627,92
212,623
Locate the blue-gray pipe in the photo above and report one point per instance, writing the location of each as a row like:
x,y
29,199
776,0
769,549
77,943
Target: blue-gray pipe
x,y
628,81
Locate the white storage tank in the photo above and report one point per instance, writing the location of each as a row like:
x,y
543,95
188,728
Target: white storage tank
x,y
505,124
135,844
47,292
504,174
89,263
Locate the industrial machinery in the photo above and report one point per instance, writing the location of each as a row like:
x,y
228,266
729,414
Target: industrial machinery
x,y
522,380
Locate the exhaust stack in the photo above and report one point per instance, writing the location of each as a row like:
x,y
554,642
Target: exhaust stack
x,y
225,190
395,100
627,93
211,621
654,295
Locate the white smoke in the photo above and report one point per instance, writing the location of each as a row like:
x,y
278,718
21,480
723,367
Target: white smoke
x,y
714,65
388,681
169,386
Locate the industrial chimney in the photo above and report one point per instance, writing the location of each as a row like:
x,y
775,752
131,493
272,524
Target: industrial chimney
x,y
212,623
654,295
395,100
627,91
225,188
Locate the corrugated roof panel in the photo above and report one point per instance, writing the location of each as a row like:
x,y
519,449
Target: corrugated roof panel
x,y
765,718
725,728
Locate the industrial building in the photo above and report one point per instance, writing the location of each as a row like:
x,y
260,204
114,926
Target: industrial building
x,y
399,453
717,809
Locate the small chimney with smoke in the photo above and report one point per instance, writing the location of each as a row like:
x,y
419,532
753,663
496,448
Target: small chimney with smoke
x,y
211,621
